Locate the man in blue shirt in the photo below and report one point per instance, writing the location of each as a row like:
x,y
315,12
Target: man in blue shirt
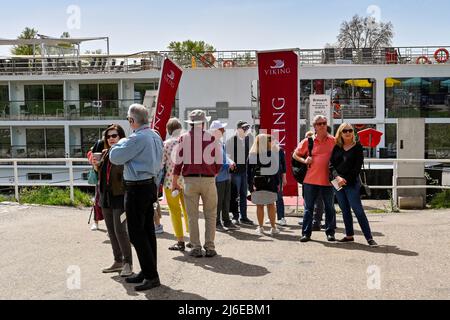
x,y
223,181
141,155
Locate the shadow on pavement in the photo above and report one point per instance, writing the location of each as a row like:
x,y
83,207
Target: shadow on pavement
x,y
338,230
225,265
161,293
166,235
245,236
384,249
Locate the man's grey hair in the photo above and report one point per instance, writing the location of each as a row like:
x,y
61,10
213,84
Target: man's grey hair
x,y
139,113
319,117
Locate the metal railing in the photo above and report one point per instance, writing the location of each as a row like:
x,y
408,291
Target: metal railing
x,y
65,109
148,60
28,65
38,150
69,166
82,163
395,166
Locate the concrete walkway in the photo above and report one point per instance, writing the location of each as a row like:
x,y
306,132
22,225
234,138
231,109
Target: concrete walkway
x,y
50,253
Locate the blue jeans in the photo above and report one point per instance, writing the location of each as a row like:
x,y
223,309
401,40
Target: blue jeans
x,y
280,203
240,181
311,192
349,198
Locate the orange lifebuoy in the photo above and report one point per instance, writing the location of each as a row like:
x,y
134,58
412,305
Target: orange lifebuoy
x,y
441,55
422,60
228,64
208,59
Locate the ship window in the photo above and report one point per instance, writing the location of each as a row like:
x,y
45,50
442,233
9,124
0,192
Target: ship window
x,y
39,176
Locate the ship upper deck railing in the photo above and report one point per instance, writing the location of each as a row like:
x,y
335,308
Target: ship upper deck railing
x,y
148,60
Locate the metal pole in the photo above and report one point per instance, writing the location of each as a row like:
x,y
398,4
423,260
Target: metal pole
x,y
394,184
16,181
72,196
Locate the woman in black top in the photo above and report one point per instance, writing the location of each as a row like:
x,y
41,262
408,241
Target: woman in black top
x,y
345,166
112,191
263,179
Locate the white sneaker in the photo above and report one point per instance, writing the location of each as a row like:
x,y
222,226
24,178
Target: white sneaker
x,y
94,227
127,270
274,231
282,222
260,231
267,221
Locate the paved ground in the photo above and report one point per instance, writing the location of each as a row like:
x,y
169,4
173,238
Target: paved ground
x,y
44,248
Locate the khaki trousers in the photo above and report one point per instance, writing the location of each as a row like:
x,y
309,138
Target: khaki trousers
x,y
194,188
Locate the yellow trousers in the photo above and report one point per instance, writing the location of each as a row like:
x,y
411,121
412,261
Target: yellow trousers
x,y
176,207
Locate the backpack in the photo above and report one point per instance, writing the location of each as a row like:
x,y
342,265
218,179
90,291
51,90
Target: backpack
x,y
299,169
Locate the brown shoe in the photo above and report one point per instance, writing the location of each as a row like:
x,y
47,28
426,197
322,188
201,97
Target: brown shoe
x,y
116,267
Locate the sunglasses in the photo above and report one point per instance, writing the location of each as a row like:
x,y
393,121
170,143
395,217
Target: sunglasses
x,y
112,136
321,123
130,119
347,131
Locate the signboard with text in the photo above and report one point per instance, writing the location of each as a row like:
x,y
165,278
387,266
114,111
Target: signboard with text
x,y
319,104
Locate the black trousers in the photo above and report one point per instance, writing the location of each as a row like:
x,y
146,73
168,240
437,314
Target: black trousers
x,y
223,200
234,204
139,202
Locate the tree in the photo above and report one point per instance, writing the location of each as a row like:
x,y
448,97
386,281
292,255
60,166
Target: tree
x,y
365,32
184,51
26,50
190,46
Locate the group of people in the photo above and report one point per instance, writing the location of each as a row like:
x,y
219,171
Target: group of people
x,y
225,174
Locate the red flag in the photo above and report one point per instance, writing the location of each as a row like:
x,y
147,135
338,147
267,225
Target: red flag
x,y
168,86
278,82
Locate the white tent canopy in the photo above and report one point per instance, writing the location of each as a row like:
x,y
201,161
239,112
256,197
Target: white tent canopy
x,y
50,41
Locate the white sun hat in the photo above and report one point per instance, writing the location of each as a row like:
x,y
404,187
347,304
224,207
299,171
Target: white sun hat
x,y
216,124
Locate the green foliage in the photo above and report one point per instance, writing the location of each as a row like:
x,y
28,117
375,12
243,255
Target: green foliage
x,y
54,196
441,200
183,51
190,46
26,50
391,207
8,198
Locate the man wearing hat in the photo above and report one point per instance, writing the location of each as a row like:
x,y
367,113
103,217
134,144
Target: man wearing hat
x,y
223,181
198,160
238,147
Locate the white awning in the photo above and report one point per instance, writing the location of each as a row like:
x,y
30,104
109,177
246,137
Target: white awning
x,y
47,41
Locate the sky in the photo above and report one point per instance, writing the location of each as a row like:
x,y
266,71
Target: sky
x,y
138,25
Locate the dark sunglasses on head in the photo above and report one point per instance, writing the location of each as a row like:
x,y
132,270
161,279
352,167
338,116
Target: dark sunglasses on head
x,y
115,135
321,123
347,131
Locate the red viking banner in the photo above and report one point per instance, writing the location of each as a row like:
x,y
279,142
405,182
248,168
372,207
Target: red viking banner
x,y
168,86
278,83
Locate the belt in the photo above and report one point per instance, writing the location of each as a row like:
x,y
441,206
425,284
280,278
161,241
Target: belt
x,y
139,183
198,176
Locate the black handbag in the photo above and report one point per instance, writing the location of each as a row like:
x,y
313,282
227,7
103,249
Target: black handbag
x,y
299,169
365,189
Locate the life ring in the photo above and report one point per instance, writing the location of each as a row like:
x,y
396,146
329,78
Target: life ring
x,y
441,55
228,63
208,59
422,60
359,126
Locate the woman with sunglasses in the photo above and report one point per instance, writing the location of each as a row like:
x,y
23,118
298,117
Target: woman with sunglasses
x,y
111,191
345,166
